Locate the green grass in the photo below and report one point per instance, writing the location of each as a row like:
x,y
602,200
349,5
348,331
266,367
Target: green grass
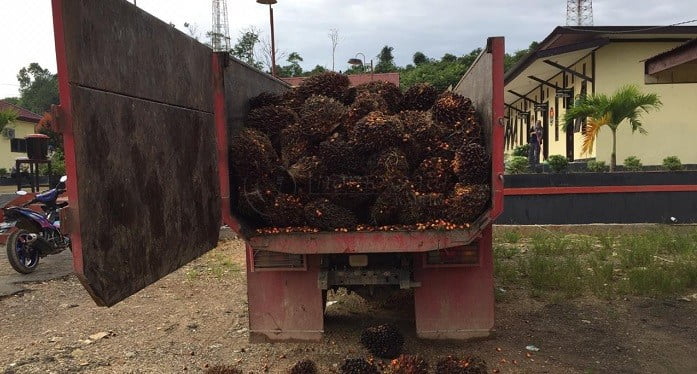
x,y
658,261
215,264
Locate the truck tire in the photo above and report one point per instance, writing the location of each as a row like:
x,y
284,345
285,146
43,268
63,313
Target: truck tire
x,y
22,261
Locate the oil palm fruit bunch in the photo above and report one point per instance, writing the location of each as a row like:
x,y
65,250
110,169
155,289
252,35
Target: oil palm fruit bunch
x,y
350,191
467,202
383,341
471,163
328,84
291,99
286,210
264,99
451,109
320,115
390,166
306,170
365,103
349,96
252,153
358,366
294,145
341,155
420,97
376,131
421,135
304,367
394,205
325,215
434,174
223,369
450,365
408,364
254,201
429,206
475,365
271,120
388,91
471,126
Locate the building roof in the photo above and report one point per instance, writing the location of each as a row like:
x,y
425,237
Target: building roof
x,y
566,45
22,113
354,79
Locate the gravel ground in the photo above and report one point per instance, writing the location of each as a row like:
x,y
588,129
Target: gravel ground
x,y
196,318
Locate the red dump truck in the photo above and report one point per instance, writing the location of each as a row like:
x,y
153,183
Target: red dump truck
x,y
146,113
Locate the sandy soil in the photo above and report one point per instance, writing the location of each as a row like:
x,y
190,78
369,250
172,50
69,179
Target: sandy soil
x,y
196,318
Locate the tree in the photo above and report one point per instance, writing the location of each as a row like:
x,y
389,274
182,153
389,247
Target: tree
x,y
419,58
11,100
448,58
293,69
385,61
334,37
7,116
246,45
439,73
38,88
627,103
510,60
318,69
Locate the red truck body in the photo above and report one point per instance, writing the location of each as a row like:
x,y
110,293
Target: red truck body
x,y
146,113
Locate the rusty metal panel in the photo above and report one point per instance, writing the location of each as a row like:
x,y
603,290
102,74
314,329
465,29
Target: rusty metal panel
x,y
140,139
115,46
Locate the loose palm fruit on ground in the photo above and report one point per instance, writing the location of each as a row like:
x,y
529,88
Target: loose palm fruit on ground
x,y
408,364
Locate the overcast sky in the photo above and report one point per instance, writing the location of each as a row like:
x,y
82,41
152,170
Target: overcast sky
x,y
434,27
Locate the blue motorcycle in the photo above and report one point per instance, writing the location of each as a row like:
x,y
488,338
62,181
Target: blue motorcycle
x,y
34,234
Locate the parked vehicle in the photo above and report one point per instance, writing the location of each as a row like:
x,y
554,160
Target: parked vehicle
x,y
35,234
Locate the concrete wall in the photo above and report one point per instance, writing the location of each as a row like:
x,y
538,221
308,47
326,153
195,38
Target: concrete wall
x,y
672,129
7,157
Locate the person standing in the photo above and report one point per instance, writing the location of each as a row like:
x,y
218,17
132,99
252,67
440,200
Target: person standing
x,y
534,151
539,131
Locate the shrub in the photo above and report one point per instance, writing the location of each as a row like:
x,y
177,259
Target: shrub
x,y
558,163
517,165
596,166
670,163
3,172
522,150
632,163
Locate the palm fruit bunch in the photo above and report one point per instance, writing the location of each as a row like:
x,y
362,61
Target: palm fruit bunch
x,y
304,367
456,111
391,93
254,201
390,166
408,364
376,131
328,84
286,211
363,104
294,145
271,120
357,366
265,99
434,174
350,191
305,171
471,163
319,116
223,369
349,96
429,206
252,153
453,365
325,215
420,97
467,202
395,205
383,341
341,155
421,135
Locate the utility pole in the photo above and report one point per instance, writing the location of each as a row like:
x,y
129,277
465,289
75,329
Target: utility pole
x,y
220,37
579,12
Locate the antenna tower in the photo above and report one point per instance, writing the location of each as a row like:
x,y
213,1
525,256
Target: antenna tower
x,y
220,37
579,12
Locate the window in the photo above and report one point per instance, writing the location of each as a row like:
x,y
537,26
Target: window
x,y
18,145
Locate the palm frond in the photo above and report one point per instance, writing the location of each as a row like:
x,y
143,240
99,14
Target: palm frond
x,y
592,130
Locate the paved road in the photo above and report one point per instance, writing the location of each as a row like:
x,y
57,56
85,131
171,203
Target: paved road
x,y
50,267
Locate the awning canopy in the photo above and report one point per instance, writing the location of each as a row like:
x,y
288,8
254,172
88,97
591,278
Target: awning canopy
x,y
678,65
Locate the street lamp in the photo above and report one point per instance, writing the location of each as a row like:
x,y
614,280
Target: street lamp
x,y
273,42
356,61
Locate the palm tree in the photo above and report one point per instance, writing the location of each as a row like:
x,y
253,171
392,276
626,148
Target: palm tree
x,y
627,103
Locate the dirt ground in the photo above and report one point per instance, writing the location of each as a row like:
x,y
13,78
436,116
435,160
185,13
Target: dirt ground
x,y
196,318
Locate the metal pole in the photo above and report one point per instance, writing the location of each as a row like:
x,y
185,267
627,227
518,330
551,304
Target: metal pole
x,y
371,69
273,44
135,2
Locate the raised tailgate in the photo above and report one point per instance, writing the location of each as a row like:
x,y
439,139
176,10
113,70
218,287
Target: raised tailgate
x,y
137,118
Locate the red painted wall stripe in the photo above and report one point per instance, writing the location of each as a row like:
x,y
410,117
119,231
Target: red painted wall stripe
x,y
597,190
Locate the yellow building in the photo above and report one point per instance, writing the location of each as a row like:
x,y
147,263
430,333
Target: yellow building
x,y
12,143
577,61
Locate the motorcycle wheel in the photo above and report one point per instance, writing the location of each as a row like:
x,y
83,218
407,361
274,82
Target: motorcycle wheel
x,y
22,261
